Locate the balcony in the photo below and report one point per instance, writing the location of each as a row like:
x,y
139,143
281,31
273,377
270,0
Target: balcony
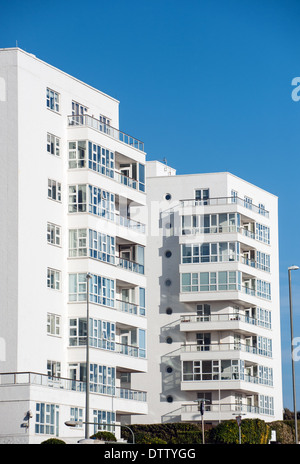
x,y
65,384
90,121
226,201
223,321
225,347
222,411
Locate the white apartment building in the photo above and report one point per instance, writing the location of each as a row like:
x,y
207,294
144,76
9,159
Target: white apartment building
x,y
213,300
73,201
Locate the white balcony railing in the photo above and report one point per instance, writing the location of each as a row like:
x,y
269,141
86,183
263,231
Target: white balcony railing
x,y
226,201
193,318
37,379
221,347
90,121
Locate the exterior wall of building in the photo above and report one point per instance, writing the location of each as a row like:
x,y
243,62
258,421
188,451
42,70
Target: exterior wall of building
x,y
39,262
232,331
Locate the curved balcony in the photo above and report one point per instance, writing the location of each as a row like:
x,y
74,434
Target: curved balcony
x,y
222,347
229,321
226,201
222,411
100,126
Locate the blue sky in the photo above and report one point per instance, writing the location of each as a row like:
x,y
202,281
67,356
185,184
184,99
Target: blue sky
x,y
205,80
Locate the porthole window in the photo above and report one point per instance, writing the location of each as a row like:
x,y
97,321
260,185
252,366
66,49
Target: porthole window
x,y
169,369
169,311
169,340
168,282
168,196
168,254
170,399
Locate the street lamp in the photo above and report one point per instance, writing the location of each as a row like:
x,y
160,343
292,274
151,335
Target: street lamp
x,y
201,404
239,423
87,368
75,423
293,268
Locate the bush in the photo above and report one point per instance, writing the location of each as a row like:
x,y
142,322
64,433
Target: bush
x,y
105,436
253,431
171,433
53,441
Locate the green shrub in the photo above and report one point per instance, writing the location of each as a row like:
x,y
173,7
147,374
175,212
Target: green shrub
x,y
53,441
105,436
170,433
253,431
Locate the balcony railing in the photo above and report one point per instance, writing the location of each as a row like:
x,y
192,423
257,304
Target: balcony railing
x,y
130,224
130,265
109,345
130,308
33,378
217,347
90,121
227,408
226,201
224,317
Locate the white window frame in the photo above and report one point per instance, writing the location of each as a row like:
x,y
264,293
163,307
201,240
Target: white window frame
x,y
53,234
52,100
53,279
53,144
54,190
53,324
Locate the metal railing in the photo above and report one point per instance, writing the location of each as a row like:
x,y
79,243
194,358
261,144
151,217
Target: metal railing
x,y
90,121
226,201
193,318
227,408
220,347
130,224
61,383
130,265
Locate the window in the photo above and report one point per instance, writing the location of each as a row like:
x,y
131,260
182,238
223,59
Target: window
x,y
53,369
248,202
263,289
53,324
76,414
102,333
53,234
78,112
234,196
101,289
52,100
201,196
77,199
210,252
263,261
104,417
210,223
101,160
53,145
101,202
53,279
261,209
77,154
262,233
47,419
210,281
101,246
54,190
77,243
104,125
102,379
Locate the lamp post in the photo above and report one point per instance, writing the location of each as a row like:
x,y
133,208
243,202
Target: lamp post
x,y
293,268
87,373
201,404
239,423
75,423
